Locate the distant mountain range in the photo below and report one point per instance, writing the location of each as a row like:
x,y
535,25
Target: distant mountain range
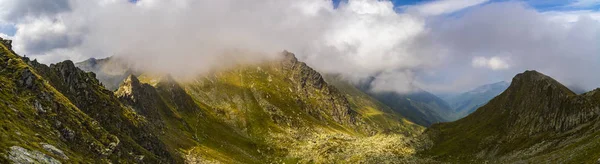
x,y
466,103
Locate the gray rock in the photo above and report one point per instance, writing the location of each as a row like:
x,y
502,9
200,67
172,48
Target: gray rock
x,y
67,133
38,107
19,154
27,79
7,43
54,151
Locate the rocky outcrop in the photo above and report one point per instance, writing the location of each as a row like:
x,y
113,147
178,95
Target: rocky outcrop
x,y
6,42
309,83
57,152
19,154
143,98
137,138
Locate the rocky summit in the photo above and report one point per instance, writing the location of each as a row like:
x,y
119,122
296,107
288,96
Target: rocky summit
x,y
536,119
279,111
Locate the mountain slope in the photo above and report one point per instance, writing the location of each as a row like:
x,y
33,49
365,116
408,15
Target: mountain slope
x,y
84,91
535,117
371,109
291,107
277,111
421,107
466,103
40,124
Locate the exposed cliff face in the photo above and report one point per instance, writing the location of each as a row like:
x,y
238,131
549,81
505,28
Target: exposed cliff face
x,y
86,92
308,82
555,107
142,97
536,114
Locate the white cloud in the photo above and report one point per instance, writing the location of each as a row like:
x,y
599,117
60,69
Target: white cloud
x,y
368,37
585,3
4,36
400,82
494,63
571,16
361,39
444,6
565,50
15,10
364,37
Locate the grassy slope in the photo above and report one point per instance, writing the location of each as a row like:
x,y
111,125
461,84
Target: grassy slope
x,y
373,111
252,114
22,125
267,113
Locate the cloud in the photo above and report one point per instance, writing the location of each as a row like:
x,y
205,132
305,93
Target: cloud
x,y
584,3
494,63
444,6
491,34
423,46
400,82
363,37
14,11
5,36
572,16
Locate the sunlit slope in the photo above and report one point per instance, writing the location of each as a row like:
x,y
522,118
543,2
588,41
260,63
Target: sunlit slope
x,y
276,111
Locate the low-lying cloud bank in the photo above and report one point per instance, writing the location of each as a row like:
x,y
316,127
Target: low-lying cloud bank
x,y
441,46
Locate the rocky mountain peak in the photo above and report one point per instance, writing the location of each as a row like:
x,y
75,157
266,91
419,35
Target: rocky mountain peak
x,y
127,88
289,57
308,80
534,110
6,42
532,82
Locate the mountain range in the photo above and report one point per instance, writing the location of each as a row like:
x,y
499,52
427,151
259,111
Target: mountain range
x,y
466,103
280,111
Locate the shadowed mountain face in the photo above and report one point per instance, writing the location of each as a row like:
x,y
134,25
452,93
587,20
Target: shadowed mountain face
x,y
535,119
466,103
